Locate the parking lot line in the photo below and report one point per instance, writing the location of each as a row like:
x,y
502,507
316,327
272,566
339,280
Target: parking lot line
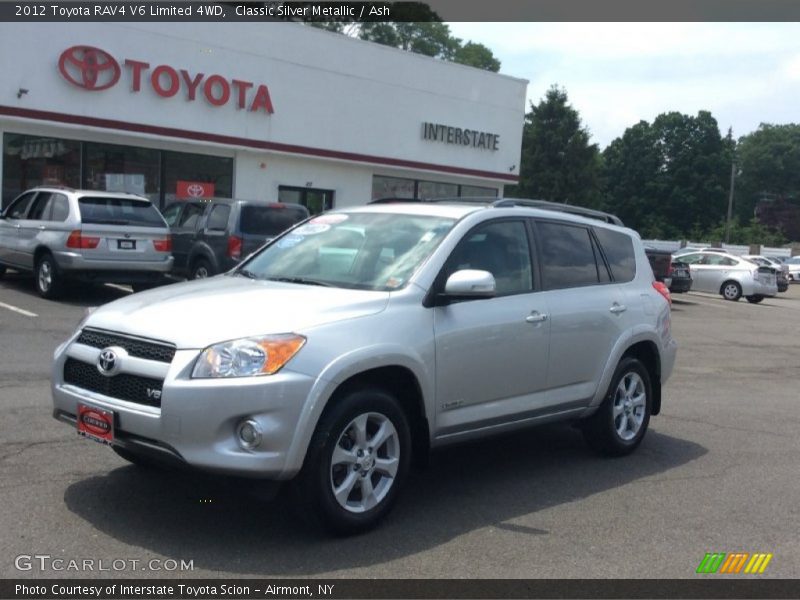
x,y
16,309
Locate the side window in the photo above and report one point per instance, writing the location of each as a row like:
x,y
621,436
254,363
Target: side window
x,y
567,259
218,219
171,214
18,209
191,216
691,259
618,250
729,262
500,248
59,208
39,209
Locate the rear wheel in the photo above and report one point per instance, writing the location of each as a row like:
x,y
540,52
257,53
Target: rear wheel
x,y
357,461
731,290
754,299
619,425
201,269
49,282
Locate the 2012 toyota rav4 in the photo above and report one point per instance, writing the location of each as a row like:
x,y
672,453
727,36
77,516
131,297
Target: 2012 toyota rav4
x,y
366,336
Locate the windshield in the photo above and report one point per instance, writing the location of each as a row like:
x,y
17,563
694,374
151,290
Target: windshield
x,y
370,251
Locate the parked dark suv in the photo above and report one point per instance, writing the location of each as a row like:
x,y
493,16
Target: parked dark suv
x,y
212,236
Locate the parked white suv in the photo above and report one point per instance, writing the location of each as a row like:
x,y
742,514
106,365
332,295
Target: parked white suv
x,y
366,336
63,234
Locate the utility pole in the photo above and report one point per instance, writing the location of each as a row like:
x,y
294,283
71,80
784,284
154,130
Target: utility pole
x,y
730,203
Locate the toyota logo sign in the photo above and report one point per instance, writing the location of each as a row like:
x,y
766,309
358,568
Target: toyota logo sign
x,y
88,67
195,190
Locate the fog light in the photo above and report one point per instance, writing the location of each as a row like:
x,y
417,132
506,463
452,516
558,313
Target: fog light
x,y
249,434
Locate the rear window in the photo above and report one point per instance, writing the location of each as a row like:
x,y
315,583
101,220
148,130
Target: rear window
x,y
270,220
119,211
618,249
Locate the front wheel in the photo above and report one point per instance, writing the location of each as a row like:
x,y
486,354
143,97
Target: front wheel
x,y
357,461
201,269
754,299
619,425
49,282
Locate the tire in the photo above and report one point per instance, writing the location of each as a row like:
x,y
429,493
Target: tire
x,y
754,299
343,456
619,425
201,269
49,282
136,459
731,290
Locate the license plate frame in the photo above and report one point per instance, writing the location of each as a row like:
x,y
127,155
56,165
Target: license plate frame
x,y
96,423
126,244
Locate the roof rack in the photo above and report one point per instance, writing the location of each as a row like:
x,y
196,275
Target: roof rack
x,y
495,202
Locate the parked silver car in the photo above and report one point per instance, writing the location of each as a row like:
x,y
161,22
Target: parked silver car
x,y
731,276
794,268
61,234
781,270
364,337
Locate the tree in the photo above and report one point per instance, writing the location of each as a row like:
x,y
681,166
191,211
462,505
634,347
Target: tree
x,y
558,163
671,177
769,177
417,28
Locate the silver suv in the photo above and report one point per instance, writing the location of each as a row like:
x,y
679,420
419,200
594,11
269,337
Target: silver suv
x,y
105,237
363,337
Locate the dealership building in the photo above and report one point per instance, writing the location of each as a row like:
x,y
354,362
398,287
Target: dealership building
x,y
266,111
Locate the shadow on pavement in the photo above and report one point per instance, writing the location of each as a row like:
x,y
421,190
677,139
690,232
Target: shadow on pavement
x,y
223,525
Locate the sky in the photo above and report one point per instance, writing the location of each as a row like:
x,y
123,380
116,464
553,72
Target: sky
x,y
617,74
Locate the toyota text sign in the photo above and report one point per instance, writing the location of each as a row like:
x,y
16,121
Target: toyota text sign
x,y
95,70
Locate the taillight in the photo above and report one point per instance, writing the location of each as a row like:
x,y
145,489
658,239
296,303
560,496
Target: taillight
x,y
235,247
663,290
76,240
164,245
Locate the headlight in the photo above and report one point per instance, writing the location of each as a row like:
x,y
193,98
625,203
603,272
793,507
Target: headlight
x,y
248,357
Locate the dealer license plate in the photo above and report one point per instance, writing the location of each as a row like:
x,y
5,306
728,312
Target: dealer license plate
x,y
96,423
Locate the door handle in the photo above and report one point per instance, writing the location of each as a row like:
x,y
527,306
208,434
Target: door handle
x,y
618,308
536,317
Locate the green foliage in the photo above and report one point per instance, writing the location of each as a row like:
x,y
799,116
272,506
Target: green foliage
x,y
669,177
558,163
476,55
769,163
745,234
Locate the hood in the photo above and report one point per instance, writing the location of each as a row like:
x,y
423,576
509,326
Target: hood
x,y
196,314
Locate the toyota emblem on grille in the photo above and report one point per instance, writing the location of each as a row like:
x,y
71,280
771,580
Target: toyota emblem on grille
x,y
108,362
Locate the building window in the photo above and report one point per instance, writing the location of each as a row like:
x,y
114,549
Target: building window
x,y
114,168
436,189
30,160
474,190
315,200
201,168
392,187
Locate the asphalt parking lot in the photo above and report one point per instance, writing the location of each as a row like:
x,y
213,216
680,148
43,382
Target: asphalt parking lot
x,y
718,472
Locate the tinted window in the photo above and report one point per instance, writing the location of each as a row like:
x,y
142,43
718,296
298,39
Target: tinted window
x,y
38,209
118,211
270,220
171,213
59,208
191,216
618,250
719,261
500,248
218,219
567,256
20,207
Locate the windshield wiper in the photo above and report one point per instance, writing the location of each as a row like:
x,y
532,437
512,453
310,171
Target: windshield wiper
x,y
246,273
300,280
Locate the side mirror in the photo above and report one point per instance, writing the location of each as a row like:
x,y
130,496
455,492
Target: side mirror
x,y
470,283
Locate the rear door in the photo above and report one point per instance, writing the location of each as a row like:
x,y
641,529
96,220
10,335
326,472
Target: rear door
x,y
586,309
121,229
186,219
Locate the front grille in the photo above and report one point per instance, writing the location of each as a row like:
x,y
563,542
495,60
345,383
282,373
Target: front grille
x,y
123,386
159,351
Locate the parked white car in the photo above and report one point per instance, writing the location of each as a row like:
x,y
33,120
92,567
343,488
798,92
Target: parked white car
x,y
731,276
794,268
